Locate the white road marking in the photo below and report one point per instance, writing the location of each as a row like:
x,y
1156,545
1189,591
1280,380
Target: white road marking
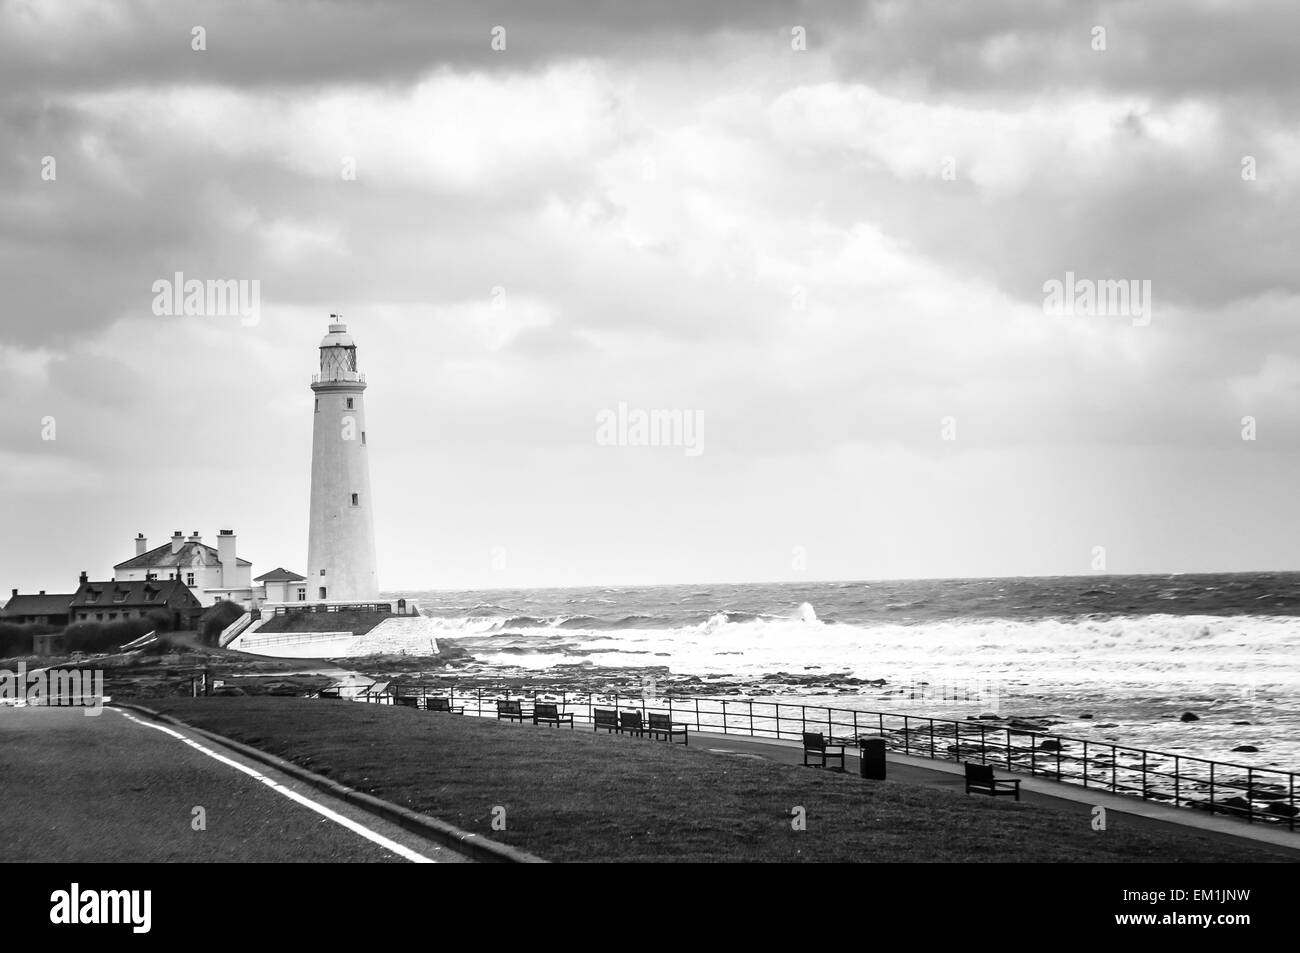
x,y
321,809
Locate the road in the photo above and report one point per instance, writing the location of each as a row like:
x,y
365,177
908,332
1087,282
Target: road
x,y
119,788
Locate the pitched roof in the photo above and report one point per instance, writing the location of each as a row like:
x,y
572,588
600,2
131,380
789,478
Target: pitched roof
x,y
135,594
56,604
162,556
280,574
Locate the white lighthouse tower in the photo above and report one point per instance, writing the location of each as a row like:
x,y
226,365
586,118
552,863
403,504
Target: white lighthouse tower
x,y
341,538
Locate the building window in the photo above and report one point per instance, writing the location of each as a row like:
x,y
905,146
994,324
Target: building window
x,y
92,595
189,579
119,596
363,438
322,572
302,593
322,592
99,617
112,616
356,499
349,403
318,405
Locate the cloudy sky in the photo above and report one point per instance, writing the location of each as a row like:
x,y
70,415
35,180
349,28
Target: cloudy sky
x,y
834,257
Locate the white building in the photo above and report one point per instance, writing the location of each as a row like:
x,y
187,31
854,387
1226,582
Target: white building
x,y
212,574
341,532
281,585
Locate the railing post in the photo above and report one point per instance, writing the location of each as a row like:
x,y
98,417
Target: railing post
x,y
1178,777
1008,731
751,718
724,716
1250,789
907,737
1144,774
1211,788
1033,754
778,721
1085,764
931,739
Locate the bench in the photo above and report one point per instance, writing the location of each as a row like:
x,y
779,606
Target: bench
x,y
550,714
816,746
662,726
512,710
442,704
606,718
407,701
630,721
979,778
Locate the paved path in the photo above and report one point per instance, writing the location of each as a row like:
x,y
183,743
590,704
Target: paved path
x,y
117,787
1120,810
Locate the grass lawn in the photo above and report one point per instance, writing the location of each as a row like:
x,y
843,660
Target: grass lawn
x,y
581,796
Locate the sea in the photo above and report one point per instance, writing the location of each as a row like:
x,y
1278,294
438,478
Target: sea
x,y
1118,658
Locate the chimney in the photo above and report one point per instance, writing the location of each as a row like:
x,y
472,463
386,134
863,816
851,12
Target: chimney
x,y
141,544
84,580
42,592
15,592
195,537
178,542
226,555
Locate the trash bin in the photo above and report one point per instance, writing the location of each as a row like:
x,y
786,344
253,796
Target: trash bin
x,y
871,758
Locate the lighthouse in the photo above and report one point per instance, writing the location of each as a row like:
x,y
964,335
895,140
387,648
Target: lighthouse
x,y
341,535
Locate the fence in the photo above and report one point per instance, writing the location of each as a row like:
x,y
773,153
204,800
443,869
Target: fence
x,y
1266,795
256,640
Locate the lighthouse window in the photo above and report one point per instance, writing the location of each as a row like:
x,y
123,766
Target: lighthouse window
x,y
322,592
356,499
349,403
318,405
363,438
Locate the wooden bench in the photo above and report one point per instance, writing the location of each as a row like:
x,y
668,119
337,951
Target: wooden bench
x,y
816,746
662,726
407,701
630,721
606,718
979,778
433,703
550,714
512,710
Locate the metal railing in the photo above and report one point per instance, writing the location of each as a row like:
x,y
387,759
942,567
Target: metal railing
x,y
1263,795
257,640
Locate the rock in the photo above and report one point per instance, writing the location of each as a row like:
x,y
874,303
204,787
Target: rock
x,y
1050,745
1241,723
1019,725
1283,810
1250,748
990,716
1188,716
1085,716
1109,724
